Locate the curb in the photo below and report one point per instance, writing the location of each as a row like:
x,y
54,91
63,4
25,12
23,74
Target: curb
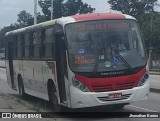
x,y
155,90
152,73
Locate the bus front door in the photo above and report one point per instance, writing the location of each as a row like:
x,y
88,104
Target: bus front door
x,y
10,59
60,64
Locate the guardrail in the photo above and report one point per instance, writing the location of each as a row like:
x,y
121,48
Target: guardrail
x,y
2,63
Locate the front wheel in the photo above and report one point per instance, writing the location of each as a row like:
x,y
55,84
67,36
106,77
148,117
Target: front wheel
x,y
53,98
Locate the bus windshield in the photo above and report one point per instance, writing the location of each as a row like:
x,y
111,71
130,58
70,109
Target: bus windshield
x,y
105,45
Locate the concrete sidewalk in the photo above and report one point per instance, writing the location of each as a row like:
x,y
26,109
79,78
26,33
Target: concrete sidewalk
x,y
9,104
154,82
154,73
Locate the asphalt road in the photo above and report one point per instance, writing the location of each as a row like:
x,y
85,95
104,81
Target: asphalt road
x,y
151,105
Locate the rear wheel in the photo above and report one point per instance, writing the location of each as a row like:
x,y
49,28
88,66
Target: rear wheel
x,y
21,87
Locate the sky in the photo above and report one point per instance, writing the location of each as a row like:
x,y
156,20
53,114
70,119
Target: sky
x,y
10,8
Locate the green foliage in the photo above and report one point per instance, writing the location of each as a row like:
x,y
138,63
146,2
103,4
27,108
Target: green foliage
x,y
72,7
40,18
151,36
24,19
132,7
4,31
61,8
46,6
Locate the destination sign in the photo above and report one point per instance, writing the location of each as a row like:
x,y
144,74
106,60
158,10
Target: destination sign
x,y
101,26
84,60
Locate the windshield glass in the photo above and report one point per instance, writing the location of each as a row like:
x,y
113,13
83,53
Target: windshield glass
x,y
104,45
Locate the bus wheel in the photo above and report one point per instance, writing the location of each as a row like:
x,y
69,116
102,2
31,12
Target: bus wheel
x,y
53,98
21,87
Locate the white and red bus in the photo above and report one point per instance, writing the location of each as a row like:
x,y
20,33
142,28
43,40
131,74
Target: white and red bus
x,y
79,61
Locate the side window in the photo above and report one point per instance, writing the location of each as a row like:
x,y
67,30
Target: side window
x,y
15,38
6,46
37,44
19,46
23,44
28,44
49,42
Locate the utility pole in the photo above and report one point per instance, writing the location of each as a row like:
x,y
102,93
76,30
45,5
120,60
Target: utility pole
x,y
151,38
35,11
51,9
152,12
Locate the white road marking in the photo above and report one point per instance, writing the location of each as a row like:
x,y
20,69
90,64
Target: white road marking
x,y
142,108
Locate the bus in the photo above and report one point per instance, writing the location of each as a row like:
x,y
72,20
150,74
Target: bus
x,y
79,61
2,53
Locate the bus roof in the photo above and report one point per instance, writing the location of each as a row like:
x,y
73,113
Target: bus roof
x,y
74,18
98,16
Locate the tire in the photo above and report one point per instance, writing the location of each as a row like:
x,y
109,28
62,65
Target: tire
x,y
53,98
21,87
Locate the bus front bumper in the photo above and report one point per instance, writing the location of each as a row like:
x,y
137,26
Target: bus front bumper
x,y
81,99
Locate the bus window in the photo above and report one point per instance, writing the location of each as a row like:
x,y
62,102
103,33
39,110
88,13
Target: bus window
x,y
37,44
19,46
6,47
15,45
28,42
100,42
49,43
23,45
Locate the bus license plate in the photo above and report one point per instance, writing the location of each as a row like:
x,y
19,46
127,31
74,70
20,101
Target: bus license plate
x,y
115,96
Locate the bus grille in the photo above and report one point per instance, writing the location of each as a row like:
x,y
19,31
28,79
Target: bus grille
x,y
126,96
113,87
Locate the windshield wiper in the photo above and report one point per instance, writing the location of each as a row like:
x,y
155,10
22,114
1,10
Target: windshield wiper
x,y
127,64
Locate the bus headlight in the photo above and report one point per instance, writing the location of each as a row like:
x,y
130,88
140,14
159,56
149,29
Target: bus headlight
x,y
143,80
79,85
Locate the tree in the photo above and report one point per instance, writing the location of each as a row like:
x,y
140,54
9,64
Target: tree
x,y
132,7
3,31
72,7
151,37
61,8
24,19
40,18
46,8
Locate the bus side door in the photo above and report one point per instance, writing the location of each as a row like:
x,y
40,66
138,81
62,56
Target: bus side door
x,y
9,61
61,64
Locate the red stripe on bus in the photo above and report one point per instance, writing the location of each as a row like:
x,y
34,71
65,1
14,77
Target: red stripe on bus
x,y
113,83
98,16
